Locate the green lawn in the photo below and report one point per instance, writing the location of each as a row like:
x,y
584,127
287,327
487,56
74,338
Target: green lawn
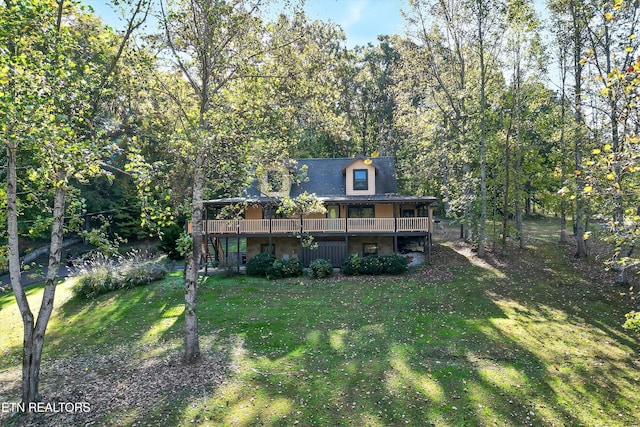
x,y
460,342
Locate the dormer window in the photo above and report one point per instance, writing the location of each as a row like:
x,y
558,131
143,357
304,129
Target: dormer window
x,y
360,179
276,180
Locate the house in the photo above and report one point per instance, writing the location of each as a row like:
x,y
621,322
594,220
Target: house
x,y
364,213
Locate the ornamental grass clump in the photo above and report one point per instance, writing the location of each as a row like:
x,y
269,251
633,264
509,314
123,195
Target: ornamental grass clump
x,y
102,274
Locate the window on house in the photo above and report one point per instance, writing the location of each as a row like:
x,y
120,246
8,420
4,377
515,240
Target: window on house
x,y
360,179
369,249
275,180
333,211
266,248
423,212
365,211
271,212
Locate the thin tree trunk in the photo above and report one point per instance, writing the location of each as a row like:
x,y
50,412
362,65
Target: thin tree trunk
x,y
191,337
483,136
581,248
505,200
519,194
563,220
33,340
445,179
33,352
563,117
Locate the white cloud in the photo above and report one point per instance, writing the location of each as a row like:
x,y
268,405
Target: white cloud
x,y
353,13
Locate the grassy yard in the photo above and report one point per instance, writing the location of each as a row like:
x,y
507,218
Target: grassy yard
x,y
527,340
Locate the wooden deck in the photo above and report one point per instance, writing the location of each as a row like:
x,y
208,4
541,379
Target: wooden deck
x,y
315,226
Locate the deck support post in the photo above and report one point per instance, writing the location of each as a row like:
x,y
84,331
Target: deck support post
x,y
395,228
206,240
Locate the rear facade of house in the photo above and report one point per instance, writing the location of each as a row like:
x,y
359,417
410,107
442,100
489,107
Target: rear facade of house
x,y
364,215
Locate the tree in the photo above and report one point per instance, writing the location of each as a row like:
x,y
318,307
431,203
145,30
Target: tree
x,y
442,54
53,71
218,47
611,58
524,53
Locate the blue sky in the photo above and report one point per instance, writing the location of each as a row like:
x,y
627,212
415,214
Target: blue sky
x,y
362,20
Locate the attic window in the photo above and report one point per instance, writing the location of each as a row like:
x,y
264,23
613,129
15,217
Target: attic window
x,y
275,180
360,179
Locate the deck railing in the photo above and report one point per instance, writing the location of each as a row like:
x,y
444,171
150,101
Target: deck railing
x,y
315,226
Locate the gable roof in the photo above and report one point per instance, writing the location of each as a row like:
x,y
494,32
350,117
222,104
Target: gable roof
x,y
325,178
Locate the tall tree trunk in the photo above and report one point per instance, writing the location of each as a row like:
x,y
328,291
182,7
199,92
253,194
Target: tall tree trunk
x,y
505,200
563,220
191,337
483,132
563,118
467,220
445,174
581,248
519,193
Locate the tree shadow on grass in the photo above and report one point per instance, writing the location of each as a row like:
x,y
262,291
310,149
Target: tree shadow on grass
x,y
477,346
145,314
404,351
121,353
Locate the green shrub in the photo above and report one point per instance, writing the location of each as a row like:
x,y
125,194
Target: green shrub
x,y
169,242
101,274
320,268
351,265
258,265
633,321
371,265
374,264
282,269
292,268
394,264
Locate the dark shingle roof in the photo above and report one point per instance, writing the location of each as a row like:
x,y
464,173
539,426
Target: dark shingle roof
x,y
326,178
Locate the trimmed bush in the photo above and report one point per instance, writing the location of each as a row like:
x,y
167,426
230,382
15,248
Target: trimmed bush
x,y
394,264
371,265
374,264
351,265
258,265
282,269
320,268
101,274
